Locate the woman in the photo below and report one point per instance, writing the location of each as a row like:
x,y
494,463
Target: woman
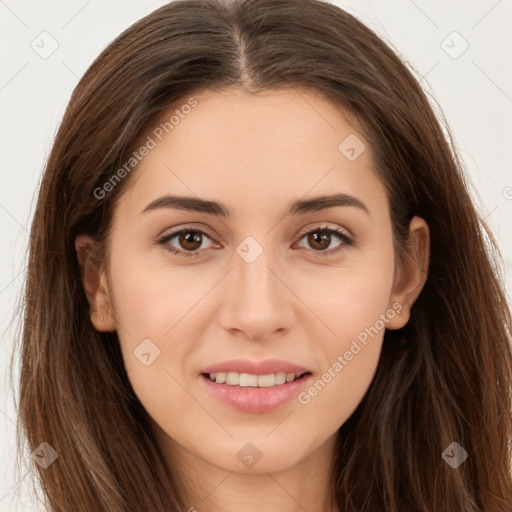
x,y
335,338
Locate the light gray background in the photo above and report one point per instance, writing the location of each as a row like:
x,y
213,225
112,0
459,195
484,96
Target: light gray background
x,y
474,91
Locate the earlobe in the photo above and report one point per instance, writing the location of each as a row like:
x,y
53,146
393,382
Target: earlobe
x,y
95,284
412,275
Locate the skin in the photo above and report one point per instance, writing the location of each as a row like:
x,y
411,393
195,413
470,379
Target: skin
x,y
256,154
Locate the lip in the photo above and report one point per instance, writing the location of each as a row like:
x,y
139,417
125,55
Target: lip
x,y
252,399
249,399
256,367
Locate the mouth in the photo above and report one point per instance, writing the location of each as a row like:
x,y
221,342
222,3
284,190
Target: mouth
x,y
266,396
250,380
255,386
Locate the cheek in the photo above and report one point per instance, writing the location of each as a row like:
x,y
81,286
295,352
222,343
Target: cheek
x,y
153,306
352,297
355,309
335,394
350,359
149,300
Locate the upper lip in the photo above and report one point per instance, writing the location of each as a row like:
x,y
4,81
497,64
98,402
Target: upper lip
x,y
264,367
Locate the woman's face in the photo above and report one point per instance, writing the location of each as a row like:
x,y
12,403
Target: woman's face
x,y
292,316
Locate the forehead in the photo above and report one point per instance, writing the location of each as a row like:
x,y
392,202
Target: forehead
x,y
247,149
234,123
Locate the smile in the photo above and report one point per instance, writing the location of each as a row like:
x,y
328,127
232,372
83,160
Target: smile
x,y
252,380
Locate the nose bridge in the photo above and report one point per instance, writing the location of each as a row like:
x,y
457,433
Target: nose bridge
x,y
259,301
252,270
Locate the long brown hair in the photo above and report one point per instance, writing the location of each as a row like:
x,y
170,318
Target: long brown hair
x,y
445,377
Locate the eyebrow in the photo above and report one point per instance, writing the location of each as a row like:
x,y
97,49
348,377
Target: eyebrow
x,y
301,206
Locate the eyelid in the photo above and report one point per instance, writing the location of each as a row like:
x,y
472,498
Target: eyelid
x,y
186,228
325,226
164,239
340,232
346,237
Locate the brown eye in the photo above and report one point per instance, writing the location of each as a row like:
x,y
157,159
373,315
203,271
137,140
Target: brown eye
x,y
190,240
320,239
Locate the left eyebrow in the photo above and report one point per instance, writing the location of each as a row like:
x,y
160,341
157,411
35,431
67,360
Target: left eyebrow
x,y
298,207
322,202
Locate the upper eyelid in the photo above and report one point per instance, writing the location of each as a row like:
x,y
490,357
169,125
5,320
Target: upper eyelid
x,y
186,229
343,230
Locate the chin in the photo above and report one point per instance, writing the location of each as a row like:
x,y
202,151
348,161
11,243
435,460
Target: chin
x,y
256,456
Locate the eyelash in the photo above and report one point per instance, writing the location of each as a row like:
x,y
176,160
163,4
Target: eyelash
x,y
341,234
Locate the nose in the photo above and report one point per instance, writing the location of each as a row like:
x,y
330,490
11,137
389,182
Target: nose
x,y
258,302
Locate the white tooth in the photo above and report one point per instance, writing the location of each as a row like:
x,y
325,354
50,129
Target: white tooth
x,y
220,378
233,379
246,379
266,381
250,380
280,378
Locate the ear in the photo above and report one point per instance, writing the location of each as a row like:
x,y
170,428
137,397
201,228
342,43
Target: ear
x,y
95,284
411,276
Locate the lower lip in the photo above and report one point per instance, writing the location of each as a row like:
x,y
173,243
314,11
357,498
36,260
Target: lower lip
x,y
249,399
